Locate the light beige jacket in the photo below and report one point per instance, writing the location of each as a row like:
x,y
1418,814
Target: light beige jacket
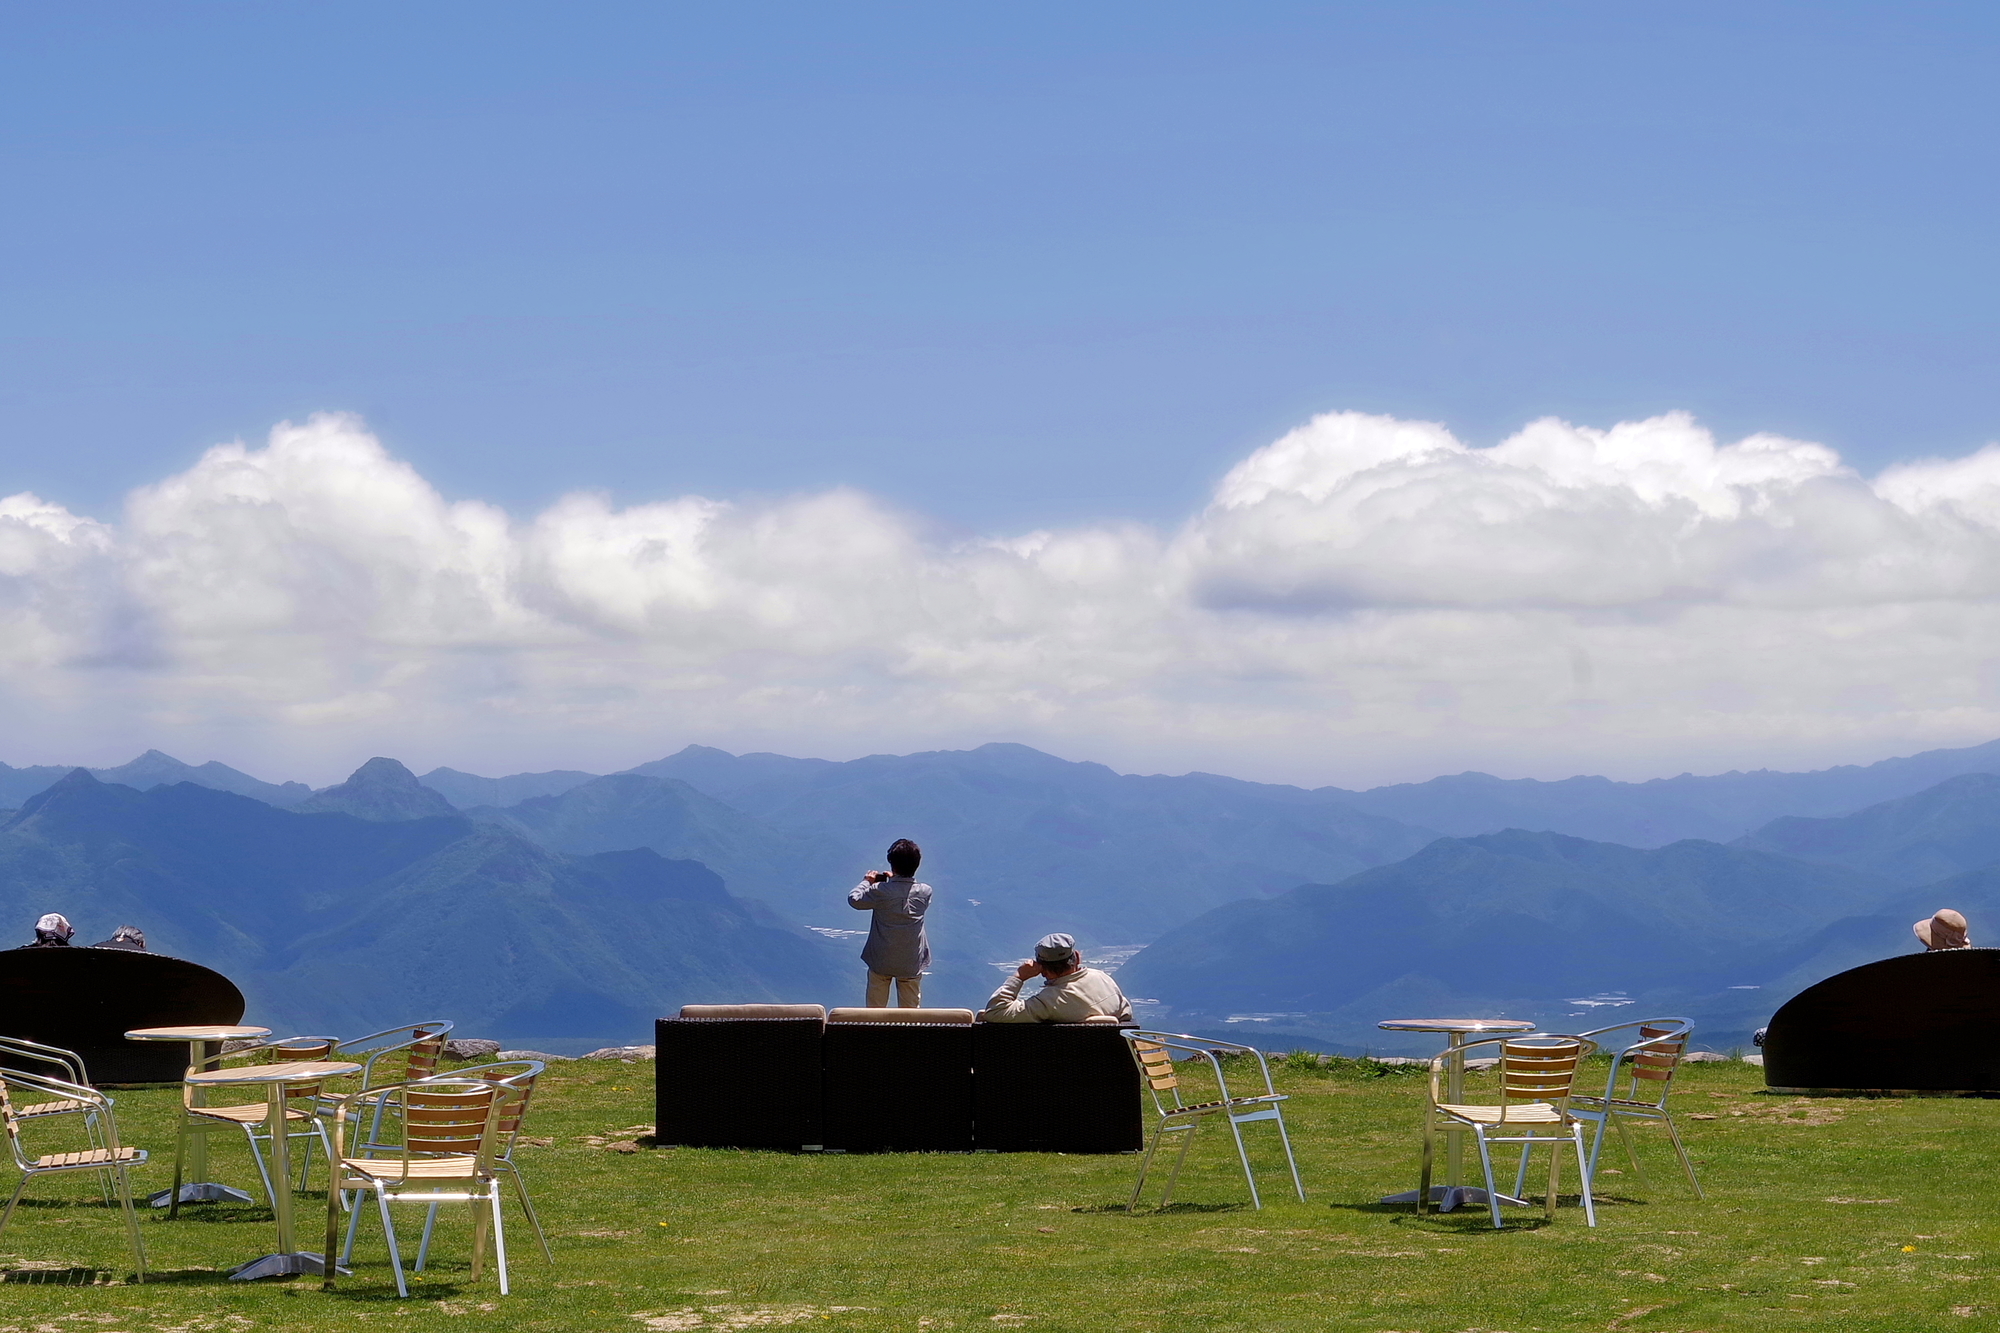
x,y
1084,993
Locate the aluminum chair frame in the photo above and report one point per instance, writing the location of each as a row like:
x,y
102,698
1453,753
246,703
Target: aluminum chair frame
x,y
105,1155
73,1072
450,1132
1654,1059
207,1119
1153,1053
1538,1068
421,1063
512,1115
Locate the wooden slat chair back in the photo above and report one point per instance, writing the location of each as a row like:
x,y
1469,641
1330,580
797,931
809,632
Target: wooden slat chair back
x,y
1537,1072
450,1122
425,1052
1642,1077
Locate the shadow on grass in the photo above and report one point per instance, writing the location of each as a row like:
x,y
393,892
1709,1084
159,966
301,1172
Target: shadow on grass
x,y
1171,1209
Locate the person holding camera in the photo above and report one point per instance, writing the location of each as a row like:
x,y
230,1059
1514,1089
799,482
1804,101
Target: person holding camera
x,y
897,948
1070,993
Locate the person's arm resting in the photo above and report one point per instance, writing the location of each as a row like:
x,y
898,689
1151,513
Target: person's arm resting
x,y
1007,1006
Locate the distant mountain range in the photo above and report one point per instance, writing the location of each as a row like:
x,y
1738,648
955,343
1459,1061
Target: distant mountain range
x,y
1299,914
340,922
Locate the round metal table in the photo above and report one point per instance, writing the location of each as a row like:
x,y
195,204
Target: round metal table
x,y
208,1038
1456,1031
288,1258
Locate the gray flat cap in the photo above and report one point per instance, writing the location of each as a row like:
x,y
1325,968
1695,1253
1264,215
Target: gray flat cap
x,y
1054,948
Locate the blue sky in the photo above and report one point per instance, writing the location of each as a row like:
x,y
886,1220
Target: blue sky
x,y
1005,265
847,378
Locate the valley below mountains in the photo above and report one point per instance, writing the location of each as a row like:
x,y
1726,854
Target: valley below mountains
x,y
570,908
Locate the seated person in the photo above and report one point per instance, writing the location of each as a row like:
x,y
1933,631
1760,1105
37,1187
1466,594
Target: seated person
x,y
125,937
1070,993
52,932
1946,930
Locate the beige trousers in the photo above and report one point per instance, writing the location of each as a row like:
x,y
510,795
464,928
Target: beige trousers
x,y
909,991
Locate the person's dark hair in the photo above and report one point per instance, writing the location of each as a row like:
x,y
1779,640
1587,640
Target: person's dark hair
x,y
905,856
1062,967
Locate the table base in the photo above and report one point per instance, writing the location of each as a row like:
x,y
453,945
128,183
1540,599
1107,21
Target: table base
x,y
206,1192
284,1265
1448,1197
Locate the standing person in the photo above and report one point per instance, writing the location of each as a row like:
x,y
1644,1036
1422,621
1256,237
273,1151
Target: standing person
x,y
1070,993
897,949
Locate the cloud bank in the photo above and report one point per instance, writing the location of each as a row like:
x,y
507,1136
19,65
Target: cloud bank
x,y
1363,600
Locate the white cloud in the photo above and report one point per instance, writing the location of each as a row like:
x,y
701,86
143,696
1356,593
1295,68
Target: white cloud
x,y
1364,600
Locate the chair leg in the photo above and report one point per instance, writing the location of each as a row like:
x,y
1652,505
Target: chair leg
x,y
1597,1140
7,1215
1290,1160
499,1236
333,1193
1521,1172
424,1246
1582,1165
1174,1175
528,1207
1631,1154
1486,1165
270,1192
1243,1156
389,1230
353,1225
1555,1172
1424,1175
1681,1151
478,1238
131,1219
1145,1163
180,1160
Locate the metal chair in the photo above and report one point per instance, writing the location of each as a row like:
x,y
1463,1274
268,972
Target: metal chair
x,y
520,1076
1154,1054
423,1041
73,1072
450,1133
105,1154
253,1117
1646,1070
1535,1074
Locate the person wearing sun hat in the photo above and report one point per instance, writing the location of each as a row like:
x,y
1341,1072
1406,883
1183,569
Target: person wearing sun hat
x,y
1070,993
52,932
1945,930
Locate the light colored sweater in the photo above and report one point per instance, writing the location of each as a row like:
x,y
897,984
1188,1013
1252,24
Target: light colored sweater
x,y
1084,993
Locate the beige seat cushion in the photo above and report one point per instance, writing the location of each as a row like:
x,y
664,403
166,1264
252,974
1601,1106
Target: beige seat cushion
x,y
753,1011
947,1016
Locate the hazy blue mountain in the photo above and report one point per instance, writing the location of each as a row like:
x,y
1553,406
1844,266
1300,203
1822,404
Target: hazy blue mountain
x,y
466,790
1937,833
1019,843
331,922
1531,924
379,789
1664,810
152,769
626,810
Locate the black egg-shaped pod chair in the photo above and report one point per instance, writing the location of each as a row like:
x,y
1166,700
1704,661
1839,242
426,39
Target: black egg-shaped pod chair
x,y
1922,1023
86,999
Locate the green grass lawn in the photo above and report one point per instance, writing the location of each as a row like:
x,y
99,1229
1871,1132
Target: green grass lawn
x,y
1834,1214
